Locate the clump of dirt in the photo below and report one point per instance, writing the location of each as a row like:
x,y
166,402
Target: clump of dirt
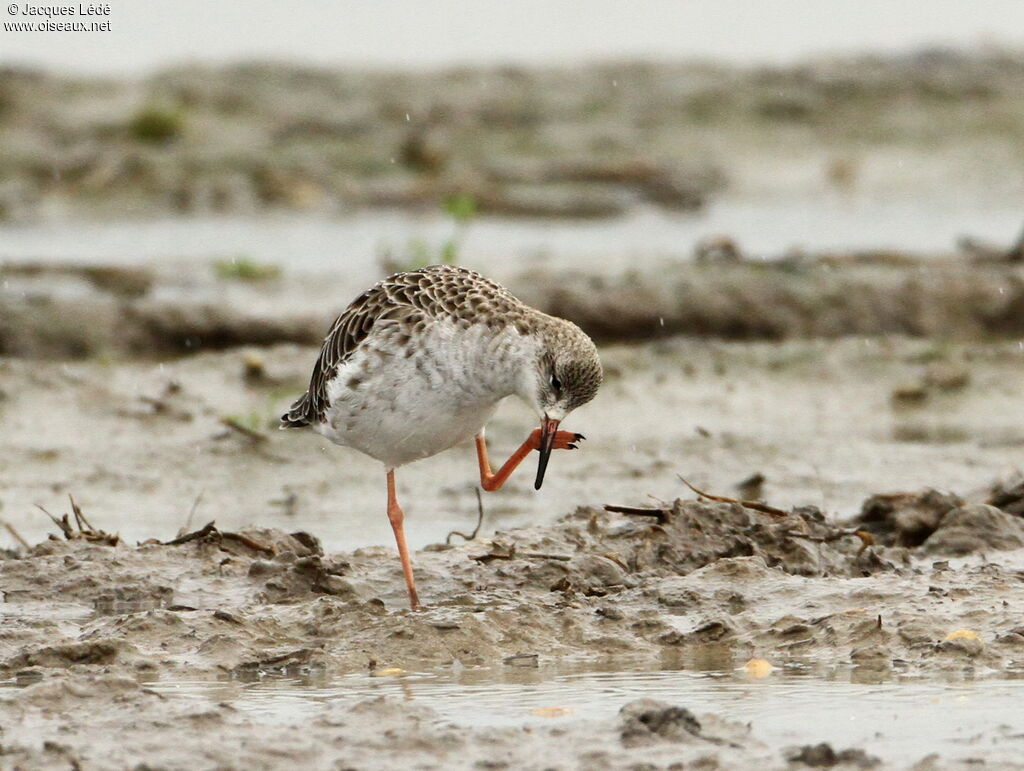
x,y
975,528
823,756
648,720
943,523
906,519
92,652
1008,495
596,552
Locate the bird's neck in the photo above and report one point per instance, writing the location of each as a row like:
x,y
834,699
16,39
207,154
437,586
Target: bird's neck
x,y
510,365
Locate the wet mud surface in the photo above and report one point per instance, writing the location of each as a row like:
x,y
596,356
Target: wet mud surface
x,y
148,448
94,634
897,560
873,399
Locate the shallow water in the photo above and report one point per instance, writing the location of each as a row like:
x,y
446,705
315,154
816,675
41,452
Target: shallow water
x,y
351,245
899,721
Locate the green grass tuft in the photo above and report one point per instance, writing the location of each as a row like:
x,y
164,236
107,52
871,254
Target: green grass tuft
x,y
244,269
156,125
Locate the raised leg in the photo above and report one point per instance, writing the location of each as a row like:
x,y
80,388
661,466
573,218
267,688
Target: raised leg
x,y
396,517
564,440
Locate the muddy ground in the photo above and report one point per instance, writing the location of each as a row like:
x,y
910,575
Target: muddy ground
x,y
300,579
92,629
54,310
872,399
144,447
584,141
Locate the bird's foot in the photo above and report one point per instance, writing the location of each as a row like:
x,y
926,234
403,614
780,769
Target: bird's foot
x,y
564,440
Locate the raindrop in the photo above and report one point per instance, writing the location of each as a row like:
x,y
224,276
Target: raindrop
x,y
661,320
407,117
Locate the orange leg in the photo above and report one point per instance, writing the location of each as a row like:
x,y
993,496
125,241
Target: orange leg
x,y
564,440
396,516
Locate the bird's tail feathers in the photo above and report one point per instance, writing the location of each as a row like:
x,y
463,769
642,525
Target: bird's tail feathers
x,y
298,415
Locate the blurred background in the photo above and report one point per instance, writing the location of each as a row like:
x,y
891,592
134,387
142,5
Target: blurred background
x,y
739,202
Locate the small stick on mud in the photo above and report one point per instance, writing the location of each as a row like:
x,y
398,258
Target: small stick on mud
x,y
202,532
764,508
540,555
62,523
497,552
502,552
248,433
15,534
247,541
479,521
192,511
85,529
661,514
80,517
210,528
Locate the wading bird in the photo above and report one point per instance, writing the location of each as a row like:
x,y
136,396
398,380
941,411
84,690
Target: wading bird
x,y
419,363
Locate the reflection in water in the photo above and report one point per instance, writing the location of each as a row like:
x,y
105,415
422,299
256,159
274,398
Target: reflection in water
x,y
860,706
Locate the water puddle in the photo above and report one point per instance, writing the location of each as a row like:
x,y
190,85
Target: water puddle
x,y
900,720
636,240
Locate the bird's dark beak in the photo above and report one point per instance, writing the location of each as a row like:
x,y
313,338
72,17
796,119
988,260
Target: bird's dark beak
x,y
548,429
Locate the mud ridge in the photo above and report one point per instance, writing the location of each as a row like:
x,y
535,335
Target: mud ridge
x,y
127,312
594,583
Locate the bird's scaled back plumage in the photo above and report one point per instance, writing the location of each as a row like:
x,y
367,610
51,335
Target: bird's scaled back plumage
x,y
414,298
420,362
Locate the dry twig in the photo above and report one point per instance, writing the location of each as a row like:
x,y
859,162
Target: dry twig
x,y
248,433
15,534
662,515
764,508
247,541
202,532
80,517
85,530
62,523
502,552
496,553
192,511
210,529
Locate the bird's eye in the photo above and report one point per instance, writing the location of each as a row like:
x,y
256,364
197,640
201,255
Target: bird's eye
x,y
556,384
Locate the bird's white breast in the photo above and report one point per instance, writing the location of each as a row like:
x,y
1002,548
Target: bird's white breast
x,y
399,400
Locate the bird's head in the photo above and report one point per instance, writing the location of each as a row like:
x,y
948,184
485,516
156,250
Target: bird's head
x,y
566,374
